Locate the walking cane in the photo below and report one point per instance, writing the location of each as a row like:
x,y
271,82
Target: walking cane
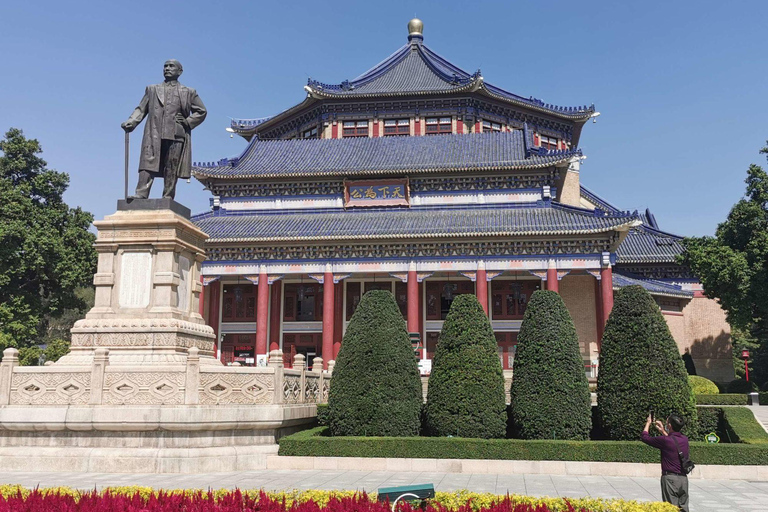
x,y
127,137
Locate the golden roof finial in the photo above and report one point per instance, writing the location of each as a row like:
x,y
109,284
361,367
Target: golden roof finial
x,y
416,27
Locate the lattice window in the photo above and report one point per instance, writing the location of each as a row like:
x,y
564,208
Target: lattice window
x,y
355,128
510,298
397,127
303,302
309,134
239,303
548,142
436,125
489,126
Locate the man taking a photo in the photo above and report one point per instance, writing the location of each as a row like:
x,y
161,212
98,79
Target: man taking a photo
x,y
674,481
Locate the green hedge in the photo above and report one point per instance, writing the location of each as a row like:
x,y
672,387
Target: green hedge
x,y
550,393
763,397
742,427
322,415
724,399
466,386
640,368
313,443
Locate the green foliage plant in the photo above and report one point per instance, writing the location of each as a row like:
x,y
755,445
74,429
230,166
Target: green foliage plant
x,y
640,368
741,386
702,386
550,393
46,250
733,268
466,395
722,399
376,388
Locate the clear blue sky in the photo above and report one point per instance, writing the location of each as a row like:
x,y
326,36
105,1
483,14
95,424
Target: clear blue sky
x,y
681,85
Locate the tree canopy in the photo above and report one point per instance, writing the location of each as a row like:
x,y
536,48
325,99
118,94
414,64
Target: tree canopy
x,y
46,250
733,265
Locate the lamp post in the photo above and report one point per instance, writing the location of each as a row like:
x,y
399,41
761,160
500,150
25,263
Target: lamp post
x,y
745,355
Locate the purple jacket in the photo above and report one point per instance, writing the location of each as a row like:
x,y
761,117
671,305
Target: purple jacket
x,y
670,461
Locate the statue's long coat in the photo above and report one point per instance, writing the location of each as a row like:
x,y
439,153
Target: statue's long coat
x,y
151,107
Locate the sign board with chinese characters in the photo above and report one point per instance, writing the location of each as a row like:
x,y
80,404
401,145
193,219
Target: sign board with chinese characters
x,y
712,438
394,192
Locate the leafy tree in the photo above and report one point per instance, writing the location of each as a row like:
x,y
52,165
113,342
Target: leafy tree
x,y
550,392
733,265
55,349
465,396
640,368
46,250
376,387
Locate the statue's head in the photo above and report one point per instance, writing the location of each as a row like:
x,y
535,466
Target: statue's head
x,y
172,69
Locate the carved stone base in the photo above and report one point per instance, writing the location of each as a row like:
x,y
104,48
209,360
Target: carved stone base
x,y
145,439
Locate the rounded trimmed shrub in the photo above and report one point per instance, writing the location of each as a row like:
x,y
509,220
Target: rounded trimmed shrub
x,y
702,386
640,368
466,396
376,387
550,392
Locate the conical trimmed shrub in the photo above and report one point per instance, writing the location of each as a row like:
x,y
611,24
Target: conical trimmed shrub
x,y
640,368
550,392
465,396
376,387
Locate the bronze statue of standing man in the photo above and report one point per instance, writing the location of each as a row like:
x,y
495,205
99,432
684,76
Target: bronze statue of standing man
x,y
172,111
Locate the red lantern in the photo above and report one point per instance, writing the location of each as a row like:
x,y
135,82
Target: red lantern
x,y
745,354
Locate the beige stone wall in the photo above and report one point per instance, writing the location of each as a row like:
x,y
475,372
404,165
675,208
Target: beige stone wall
x,y
578,292
570,191
676,323
708,339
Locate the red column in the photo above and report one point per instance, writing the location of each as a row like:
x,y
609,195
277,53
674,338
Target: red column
x,y
552,283
606,289
481,288
478,126
213,313
413,301
459,126
328,314
417,127
375,128
335,130
338,319
201,300
274,318
262,314
599,313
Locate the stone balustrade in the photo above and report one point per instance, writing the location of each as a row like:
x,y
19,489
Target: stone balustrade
x,y
191,384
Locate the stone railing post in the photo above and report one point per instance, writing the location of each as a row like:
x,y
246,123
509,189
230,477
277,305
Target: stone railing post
x,y
331,366
100,362
276,361
300,363
317,366
192,378
10,361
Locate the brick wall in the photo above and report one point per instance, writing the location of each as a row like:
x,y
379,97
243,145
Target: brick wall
x,y
708,339
578,292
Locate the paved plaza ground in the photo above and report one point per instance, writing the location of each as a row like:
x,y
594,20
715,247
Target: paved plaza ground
x,y
706,495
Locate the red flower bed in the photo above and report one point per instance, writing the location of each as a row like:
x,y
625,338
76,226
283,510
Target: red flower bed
x,y
235,501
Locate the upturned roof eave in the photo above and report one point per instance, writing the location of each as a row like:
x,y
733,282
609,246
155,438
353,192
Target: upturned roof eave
x,y
439,235
200,174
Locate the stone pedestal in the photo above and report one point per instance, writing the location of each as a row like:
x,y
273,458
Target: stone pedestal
x,y
147,289
141,389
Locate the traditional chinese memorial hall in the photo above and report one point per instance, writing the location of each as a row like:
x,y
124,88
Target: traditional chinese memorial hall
x,y
425,180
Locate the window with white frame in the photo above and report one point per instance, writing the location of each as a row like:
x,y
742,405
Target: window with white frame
x,y
355,128
397,127
489,126
438,125
547,142
309,134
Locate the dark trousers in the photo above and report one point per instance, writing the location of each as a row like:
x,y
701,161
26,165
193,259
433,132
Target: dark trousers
x,y
170,156
674,490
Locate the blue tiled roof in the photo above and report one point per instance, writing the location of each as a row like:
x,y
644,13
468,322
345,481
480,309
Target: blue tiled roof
x,y
643,244
382,155
415,69
621,280
415,222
